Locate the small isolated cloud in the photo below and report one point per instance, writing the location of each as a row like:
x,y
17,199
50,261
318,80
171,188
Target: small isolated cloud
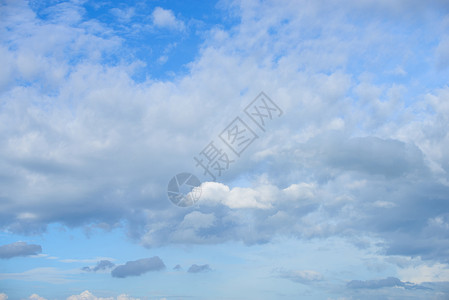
x,y
199,268
3,296
301,276
19,249
382,283
101,265
177,268
138,267
36,297
164,18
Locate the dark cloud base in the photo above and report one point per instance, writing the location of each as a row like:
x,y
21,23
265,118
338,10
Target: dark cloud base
x,y
138,267
19,249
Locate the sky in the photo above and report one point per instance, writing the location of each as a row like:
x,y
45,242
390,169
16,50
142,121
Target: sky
x,y
327,122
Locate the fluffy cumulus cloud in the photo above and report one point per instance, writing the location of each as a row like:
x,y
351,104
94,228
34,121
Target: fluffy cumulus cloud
x,y
89,135
36,297
19,249
138,267
86,295
3,296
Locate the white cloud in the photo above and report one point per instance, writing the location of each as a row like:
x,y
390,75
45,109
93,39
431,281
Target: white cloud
x,y
36,297
260,197
3,296
165,18
86,295
126,297
424,272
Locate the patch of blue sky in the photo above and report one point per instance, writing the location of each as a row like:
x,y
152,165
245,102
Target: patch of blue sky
x,y
163,52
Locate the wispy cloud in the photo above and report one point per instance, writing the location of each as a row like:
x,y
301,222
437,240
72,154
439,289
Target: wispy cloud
x,y
382,283
101,265
48,274
302,276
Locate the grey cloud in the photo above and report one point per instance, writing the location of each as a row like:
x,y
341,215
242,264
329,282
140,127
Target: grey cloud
x,y
382,283
101,265
177,268
199,268
138,267
418,223
19,249
371,155
375,284
410,208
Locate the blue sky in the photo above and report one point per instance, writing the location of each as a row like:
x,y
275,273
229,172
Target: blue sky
x,y
343,195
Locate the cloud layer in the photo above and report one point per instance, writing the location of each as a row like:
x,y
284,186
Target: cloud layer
x,y
84,142
91,133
